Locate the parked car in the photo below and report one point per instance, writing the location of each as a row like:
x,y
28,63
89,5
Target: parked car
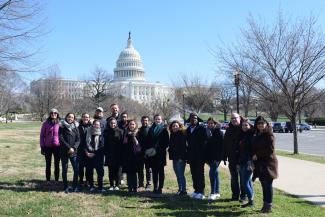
x,y
303,126
2,119
224,125
288,127
278,127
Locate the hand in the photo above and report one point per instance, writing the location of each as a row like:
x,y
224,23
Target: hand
x,y
90,155
71,151
254,157
224,163
42,151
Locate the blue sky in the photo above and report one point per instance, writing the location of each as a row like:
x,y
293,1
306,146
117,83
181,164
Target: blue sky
x,y
172,36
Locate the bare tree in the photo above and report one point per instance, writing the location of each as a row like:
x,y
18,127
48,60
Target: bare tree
x,y
163,105
224,99
98,87
290,58
21,23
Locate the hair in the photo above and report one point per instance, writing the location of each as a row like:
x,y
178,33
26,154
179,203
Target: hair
x,y
95,122
124,113
85,113
156,115
111,119
74,116
136,125
145,116
82,115
113,105
211,119
54,120
260,119
181,126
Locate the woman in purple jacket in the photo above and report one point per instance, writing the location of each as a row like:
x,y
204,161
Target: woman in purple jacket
x,y
49,142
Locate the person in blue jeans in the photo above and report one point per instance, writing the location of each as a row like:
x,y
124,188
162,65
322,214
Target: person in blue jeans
x,y
245,164
214,155
177,153
69,142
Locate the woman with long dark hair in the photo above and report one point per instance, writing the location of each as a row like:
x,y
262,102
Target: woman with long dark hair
x,y
49,143
266,162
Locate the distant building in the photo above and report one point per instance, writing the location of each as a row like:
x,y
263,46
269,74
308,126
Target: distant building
x,y
129,77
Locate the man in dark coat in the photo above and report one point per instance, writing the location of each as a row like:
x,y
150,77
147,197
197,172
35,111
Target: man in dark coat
x,y
99,115
114,113
230,143
196,140
143,139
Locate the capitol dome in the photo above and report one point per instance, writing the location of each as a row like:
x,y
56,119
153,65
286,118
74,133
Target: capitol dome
x,y
129,64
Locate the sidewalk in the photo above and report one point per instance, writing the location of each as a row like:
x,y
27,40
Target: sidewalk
x,y
301,178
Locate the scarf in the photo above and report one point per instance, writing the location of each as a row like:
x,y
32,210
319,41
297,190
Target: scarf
x,y
70,127
157,128
92,138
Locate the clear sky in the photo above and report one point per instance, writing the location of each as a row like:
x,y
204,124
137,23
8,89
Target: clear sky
x,y
172,36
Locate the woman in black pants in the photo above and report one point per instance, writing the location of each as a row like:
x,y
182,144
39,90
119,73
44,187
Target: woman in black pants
x,y
113,137
158,139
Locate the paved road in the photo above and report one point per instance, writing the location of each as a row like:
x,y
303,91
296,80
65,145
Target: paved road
x,y
310,142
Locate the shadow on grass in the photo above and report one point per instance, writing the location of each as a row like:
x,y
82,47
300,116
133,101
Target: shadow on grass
x,y
166,204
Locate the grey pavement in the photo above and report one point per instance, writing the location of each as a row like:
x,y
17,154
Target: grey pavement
x,y
303,179
309,142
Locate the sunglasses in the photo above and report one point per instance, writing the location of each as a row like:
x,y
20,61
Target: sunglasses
x,y
234,118
53,113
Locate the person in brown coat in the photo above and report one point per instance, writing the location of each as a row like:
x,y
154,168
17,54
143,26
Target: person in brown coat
x,y
230,145
266,163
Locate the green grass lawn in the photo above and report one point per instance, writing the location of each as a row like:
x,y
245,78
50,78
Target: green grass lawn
x,y
24,193
308,157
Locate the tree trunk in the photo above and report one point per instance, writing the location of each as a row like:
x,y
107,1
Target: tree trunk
x,y
295,135
225,115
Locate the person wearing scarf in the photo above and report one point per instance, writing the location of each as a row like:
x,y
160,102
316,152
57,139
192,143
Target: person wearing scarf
x,y
49,143
131,154
69,142
158,139
95,155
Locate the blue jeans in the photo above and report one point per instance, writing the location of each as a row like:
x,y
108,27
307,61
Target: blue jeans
x,y
267,190
246,178
75,167
179,168
214,177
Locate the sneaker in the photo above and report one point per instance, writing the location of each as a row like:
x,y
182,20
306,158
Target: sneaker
x,y
111,188
249,204
213,196
242,200
77,189
200,196
193,195
116,188
103,191
67,190
148,187
122,182
92,189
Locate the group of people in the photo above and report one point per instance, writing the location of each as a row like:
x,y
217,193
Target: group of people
x,y
118,143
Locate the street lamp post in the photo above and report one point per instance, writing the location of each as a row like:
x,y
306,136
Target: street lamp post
x,y
256,109
237,75
231,107
184,108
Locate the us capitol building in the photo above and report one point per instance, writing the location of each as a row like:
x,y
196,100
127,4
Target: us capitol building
x,y
129,77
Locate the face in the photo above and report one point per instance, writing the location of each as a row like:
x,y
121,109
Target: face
x,y
96,125
211,124
124,117
235,119
132,126
193,120
245,126
99,114
261,125
114,109
85,118
158,120
112,124
70,118
145,122
54,115
175,127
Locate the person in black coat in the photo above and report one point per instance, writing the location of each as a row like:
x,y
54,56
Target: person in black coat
x,y
84,124
69,142
113,137
214,155
158,139
131,153
196,140
114,113
143,163
95,155
244,160
177,153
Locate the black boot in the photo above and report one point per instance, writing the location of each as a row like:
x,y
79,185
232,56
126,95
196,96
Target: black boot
x,y
267,208
250,203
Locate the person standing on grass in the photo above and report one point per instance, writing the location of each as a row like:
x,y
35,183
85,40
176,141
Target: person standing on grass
x,y
196,140
84,124
245,164
69,142
214,155
113,139
49,143
177,153
158,139
266,162
230,143
122,124
99,115
143,137
131,154
114,113
95,155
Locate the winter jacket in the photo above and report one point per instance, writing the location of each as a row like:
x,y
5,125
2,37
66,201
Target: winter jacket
x,y
113,146
82,133
266,165
244,147
196,141
49,136
214,149
177,146
69,139
143,137
159,141
91,146
230,143
130,157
